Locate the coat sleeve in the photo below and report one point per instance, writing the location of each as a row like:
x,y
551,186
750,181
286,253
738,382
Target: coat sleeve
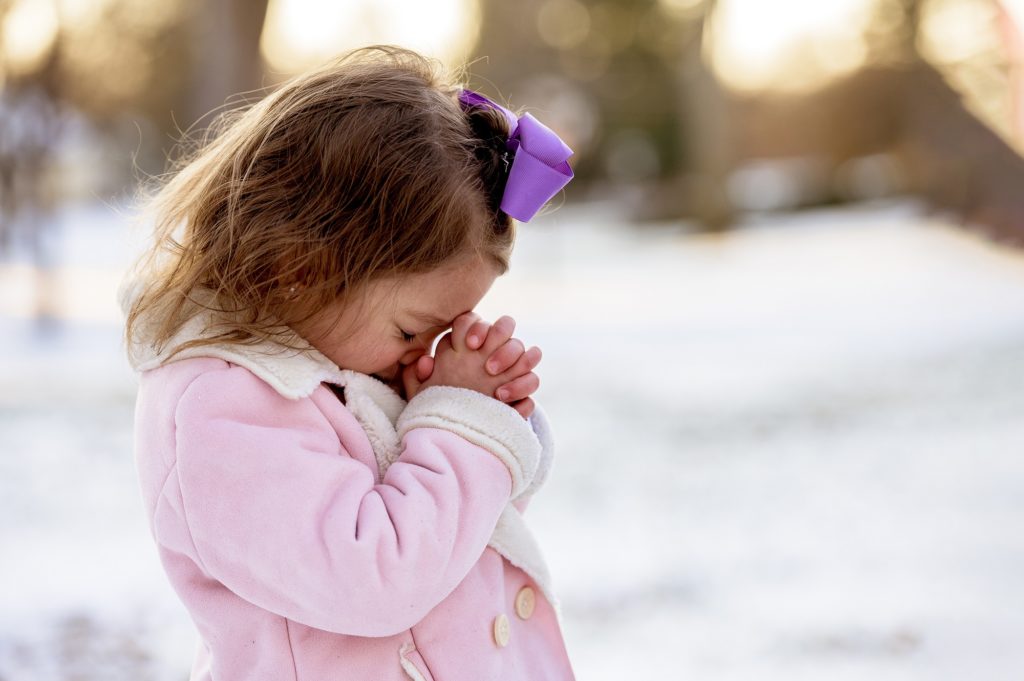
x,y
282,516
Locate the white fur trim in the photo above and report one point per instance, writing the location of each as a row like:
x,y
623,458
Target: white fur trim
x,y
513,539
292,373
377,408
542,429
482,420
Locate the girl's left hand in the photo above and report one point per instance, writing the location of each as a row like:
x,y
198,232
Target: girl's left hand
x,y
505,356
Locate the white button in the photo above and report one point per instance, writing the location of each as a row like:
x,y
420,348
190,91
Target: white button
x,y
526,601
501,630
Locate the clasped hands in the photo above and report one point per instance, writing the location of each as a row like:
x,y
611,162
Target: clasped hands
x,y
482,357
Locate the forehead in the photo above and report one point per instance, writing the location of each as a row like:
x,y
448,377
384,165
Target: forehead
x,y
447,292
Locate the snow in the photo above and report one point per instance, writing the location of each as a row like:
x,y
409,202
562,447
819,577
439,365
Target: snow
x,y
790,452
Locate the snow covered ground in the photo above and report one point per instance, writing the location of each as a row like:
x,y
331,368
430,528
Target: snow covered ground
x,y
794,452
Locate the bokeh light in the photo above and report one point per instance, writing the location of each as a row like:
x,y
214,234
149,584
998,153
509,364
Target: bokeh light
x,y
28,32
790,45
299,34
563,23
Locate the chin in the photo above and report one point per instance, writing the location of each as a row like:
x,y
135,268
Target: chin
x,y
387,374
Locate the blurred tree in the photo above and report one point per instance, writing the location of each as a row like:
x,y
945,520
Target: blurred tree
x,y
669,137
953,158
900,105
708,139
30,123
599,72
225,35
91,93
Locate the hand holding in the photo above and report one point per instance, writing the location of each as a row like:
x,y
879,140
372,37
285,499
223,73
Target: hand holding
x,y
509,358
481,357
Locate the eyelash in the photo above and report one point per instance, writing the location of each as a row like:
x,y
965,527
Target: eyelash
x,y
407,337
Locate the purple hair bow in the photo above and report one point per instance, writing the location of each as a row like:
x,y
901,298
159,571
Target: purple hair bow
x,y
539,167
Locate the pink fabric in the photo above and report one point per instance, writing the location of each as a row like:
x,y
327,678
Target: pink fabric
x,y
296,562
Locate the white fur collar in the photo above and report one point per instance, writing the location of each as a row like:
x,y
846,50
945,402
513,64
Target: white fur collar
x,y
292,373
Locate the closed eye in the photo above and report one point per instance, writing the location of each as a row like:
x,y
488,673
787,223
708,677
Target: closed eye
x,y
432,333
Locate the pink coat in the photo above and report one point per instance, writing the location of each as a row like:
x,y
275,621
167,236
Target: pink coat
x,y
315,539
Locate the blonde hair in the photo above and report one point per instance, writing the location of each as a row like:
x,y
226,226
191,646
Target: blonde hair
x,y
367,167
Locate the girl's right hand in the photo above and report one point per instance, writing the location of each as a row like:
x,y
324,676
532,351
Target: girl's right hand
x,y
481,357
508,357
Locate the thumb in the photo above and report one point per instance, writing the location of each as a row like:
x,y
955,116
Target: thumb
x,y
424,367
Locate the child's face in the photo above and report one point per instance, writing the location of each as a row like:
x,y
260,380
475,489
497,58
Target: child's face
x,y
398,319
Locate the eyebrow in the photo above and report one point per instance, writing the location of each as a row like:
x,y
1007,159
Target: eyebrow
x,y
428,318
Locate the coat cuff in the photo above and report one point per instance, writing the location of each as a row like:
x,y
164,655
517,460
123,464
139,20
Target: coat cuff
x,y
542,429
482,420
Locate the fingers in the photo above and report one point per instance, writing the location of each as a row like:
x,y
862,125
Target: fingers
x,y
525,407
512,364
499,334
410,381
518,388
505,357
476,334
460,328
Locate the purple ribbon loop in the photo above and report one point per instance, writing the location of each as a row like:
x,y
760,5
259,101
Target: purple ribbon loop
x,y
540,168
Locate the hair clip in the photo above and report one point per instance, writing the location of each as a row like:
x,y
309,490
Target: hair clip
x,y
539,166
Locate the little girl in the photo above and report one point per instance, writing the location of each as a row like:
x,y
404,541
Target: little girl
x,y
330,501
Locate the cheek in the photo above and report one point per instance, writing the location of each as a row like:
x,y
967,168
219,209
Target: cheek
x,y
385,352
376,356
393,352
362,353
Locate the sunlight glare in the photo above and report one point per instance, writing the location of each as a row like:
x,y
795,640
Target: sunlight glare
x,y
299,34
81,12
787,44
28,33
1015,8
956,31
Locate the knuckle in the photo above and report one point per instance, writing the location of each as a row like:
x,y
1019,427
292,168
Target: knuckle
x,y
524,364
506,324
466,319
525,407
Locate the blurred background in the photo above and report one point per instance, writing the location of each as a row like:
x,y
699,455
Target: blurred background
x,y
782,309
